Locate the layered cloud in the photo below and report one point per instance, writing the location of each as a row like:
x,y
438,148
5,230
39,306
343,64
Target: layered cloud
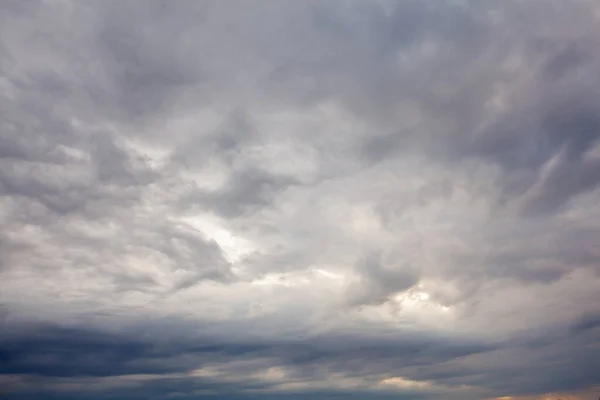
x,y
266,199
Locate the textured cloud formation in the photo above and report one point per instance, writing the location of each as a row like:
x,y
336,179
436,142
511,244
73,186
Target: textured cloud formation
x,y
299,200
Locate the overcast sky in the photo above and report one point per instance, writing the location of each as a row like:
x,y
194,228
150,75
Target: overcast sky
x,y
289,200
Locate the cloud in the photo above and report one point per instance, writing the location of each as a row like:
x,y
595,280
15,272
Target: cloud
x,y
380,279
299,200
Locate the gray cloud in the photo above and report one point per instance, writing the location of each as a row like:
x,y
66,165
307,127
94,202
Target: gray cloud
x,y
381,277
299,200
177,360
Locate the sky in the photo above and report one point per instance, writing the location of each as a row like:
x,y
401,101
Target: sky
x,y
290,200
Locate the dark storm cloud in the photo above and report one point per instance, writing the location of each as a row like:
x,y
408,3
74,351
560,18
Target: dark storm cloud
x,y
66,352
193,389
567,354
47,354
46,350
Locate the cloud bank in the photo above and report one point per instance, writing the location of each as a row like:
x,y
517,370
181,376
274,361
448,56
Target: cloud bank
x,y
299,200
